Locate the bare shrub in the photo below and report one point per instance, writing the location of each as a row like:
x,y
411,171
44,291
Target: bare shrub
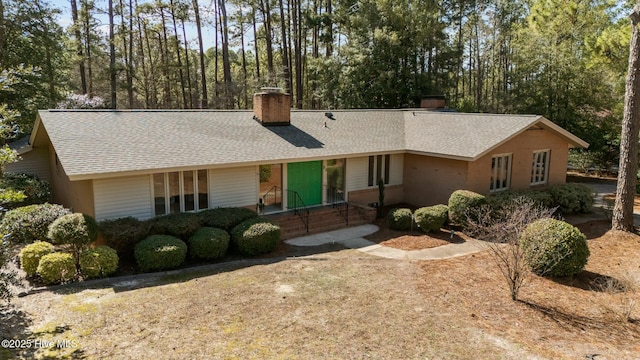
x,y
501,228
621,296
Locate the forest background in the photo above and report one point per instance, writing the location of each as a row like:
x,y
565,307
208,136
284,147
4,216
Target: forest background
x,y
563,59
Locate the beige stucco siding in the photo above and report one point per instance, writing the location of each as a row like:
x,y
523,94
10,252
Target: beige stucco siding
x,y
34,162
430,180
122,197
522,147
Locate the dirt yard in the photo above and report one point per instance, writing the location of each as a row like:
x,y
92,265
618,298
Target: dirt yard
x,y
345,304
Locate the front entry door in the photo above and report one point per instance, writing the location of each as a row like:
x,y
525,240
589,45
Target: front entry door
x,y
305,178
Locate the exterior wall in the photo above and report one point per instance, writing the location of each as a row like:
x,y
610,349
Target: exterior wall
x,y
430,180
76,195
34,162
124,196
522,147
358,187
233,187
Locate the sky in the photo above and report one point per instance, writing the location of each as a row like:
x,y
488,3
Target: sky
x,y
208,36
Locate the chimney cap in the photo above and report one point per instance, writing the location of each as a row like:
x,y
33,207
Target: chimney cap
x,y
271,89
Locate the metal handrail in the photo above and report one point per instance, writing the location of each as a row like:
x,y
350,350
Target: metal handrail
x,y
336,199
295,203
271,196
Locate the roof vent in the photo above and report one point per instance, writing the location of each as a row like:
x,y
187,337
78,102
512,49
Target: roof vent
x,y
329,115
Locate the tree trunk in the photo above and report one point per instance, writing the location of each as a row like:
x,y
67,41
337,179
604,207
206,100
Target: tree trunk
x,y
297,44
130,62
203,75
178,54
187,64
87,32
245,89
266,15
623,208
255,40
164,51
285,55
79,52
226,63
112,58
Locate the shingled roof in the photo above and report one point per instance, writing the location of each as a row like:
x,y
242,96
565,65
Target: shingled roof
x,y
96,143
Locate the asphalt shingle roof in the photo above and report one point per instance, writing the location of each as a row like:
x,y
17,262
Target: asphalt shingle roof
x,y
109,142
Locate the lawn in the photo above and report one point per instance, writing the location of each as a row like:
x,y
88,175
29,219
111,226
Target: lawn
x,y
346,304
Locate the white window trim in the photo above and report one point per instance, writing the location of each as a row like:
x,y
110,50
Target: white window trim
x,y
167,204
495,172
534,168
384,167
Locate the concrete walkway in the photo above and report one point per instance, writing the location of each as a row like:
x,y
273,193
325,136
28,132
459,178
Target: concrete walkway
x,y
353,238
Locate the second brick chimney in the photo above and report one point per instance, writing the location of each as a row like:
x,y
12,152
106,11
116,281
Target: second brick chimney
x,y
272,107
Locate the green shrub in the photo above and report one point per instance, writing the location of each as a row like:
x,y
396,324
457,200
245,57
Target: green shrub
x,y
255,236
572,198
539,198
159,252
554,248
180,225
31,254
463,203
31,223
432,218
35,191
225,218
123,234
209,243
76,230
57,267
98,262
400,219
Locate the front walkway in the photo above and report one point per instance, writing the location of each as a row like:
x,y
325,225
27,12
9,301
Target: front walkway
x,y
353,238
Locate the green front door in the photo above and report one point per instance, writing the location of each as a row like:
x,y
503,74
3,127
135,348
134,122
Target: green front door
x,y
305,178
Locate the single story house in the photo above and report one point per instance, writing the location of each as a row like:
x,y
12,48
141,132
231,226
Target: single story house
x,y
145,163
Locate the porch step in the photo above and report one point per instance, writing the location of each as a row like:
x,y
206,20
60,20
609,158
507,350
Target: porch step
x,y
320,220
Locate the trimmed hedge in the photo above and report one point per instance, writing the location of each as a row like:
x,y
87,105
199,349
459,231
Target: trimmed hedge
x,y
159,252
98,262
225,218
31,254
31,223
400,219
554,248
463,203
57,267
539,198
180,225
209,243
255,236
432,218
572,198
77,229
123,234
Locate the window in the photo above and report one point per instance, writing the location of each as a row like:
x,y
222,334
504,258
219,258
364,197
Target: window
x,y
379,165
174,192
500,172
540,167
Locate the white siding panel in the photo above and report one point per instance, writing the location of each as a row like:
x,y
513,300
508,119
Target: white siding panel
x,y
121,197
357,173
396,170
233,187
34,162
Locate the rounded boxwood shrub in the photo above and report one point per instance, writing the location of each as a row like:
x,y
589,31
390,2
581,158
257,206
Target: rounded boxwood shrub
x,y
432,218
209,243
31,223
572,198
57,267
400,219
255,236
554,248
225,218
76,230
180,225
123,234
98,262
31,254
159,252
463,203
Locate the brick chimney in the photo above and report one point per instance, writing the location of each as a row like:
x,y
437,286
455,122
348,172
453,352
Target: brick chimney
x,y
433,102
272,107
